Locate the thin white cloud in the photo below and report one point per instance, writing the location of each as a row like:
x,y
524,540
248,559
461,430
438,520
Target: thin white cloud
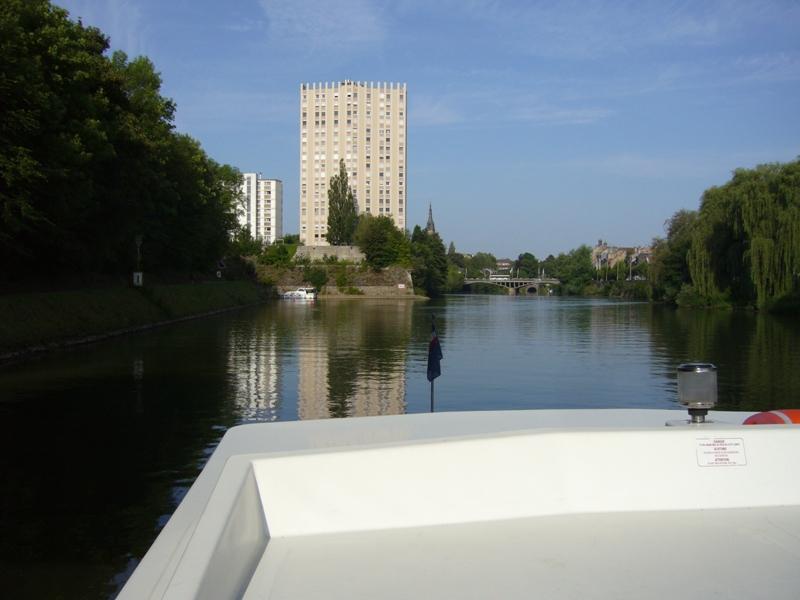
x,y
478,107
246,26
431,110
324,25
558,115
698,165
701,75
767,68
593,29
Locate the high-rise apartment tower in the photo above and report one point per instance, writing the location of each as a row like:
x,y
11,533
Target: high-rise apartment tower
x,y
363,123
262,207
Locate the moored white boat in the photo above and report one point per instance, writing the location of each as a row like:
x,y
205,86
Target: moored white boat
x,y
550,503
300,294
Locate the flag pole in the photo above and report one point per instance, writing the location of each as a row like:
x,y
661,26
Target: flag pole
x,y
433,329
434,357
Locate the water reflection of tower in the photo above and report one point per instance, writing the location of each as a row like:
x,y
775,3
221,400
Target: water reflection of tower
x,y
312,385
353,360
255,373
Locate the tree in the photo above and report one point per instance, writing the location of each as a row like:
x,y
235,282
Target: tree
x,y
342,210
456,259
480,261
746,244
455,279
741,246
574,269
382,243
244,244
315,276
291,238
669,269
527,265
58,103
276,255
89,160
429,262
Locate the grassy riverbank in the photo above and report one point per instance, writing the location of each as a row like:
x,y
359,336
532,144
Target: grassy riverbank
x,y
38,320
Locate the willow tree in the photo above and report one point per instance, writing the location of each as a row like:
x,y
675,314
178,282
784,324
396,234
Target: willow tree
x,y
747,238
342,210
770,198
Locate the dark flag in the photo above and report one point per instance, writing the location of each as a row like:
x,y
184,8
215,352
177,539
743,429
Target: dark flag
x,y
434,355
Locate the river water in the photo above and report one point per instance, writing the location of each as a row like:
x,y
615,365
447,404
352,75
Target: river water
x,y
99,443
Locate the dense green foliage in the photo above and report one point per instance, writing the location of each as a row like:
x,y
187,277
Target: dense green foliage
x,y
89,159
316,276
342,209
574,269
742,246
244,244
479,263
747,239
455,278
291,238
277,255
456,267
669,270
526,265
382,243
429,262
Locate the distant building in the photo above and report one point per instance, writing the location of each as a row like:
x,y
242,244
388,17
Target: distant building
x,y
605,256
261,209
504,264
364,124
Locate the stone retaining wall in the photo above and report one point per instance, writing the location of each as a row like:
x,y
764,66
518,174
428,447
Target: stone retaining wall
x,y
349,253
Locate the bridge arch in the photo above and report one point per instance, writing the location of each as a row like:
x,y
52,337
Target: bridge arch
x,y
514,285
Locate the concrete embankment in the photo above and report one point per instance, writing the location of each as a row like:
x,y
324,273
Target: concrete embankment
x,y
34,322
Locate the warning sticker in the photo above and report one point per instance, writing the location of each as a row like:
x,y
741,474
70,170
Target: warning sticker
x,y
721,452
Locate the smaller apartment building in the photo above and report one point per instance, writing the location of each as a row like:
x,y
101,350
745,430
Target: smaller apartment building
x,y
261,209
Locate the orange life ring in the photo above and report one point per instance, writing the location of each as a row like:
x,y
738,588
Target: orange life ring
x,y
784,416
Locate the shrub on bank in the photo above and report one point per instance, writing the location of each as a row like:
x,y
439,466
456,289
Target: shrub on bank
x,y
690,297
628,290
315,276
786,304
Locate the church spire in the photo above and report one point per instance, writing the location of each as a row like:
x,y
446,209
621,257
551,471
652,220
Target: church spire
x,y
430,227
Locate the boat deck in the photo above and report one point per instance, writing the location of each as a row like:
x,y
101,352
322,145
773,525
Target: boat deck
x,y
548,504
733,553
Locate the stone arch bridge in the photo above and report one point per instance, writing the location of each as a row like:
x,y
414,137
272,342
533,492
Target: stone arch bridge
x,y
513,285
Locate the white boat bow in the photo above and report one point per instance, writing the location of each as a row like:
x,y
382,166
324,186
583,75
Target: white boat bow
x,y
550,504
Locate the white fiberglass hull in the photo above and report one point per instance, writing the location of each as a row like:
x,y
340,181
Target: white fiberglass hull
x,y
552,504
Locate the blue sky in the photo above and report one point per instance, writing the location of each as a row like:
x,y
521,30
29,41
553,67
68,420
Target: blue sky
x,y
532,126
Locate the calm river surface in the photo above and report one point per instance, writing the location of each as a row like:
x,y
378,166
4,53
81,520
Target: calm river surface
x,y
100,443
